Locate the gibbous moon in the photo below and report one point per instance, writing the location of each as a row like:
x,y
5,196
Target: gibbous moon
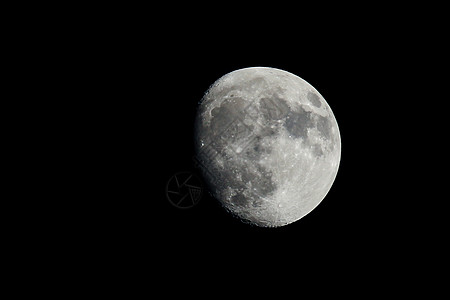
x,y
267,144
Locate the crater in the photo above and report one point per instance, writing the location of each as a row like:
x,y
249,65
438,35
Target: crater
x,y
314,99
251,183
221,116
253,84
239,200
317,150
324,126
263,184
259,179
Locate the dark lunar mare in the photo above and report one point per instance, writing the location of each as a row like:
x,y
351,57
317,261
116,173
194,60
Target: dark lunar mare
x,y
324,126
298,122
314,99
227,129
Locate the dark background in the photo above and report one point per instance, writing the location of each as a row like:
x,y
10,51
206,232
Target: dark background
x,y
119,87
164,83
150,78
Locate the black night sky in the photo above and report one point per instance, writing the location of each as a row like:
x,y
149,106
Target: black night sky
x,y
156,83
172,81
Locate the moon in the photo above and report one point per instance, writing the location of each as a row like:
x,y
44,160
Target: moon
x,y
267,144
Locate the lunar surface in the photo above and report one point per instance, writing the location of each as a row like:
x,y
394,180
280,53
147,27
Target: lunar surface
x,y
267,144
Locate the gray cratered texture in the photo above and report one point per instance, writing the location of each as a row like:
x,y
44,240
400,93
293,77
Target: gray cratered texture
x,y
268,145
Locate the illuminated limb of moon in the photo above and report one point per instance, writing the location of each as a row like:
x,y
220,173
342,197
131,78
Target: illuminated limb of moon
x,y
269,145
